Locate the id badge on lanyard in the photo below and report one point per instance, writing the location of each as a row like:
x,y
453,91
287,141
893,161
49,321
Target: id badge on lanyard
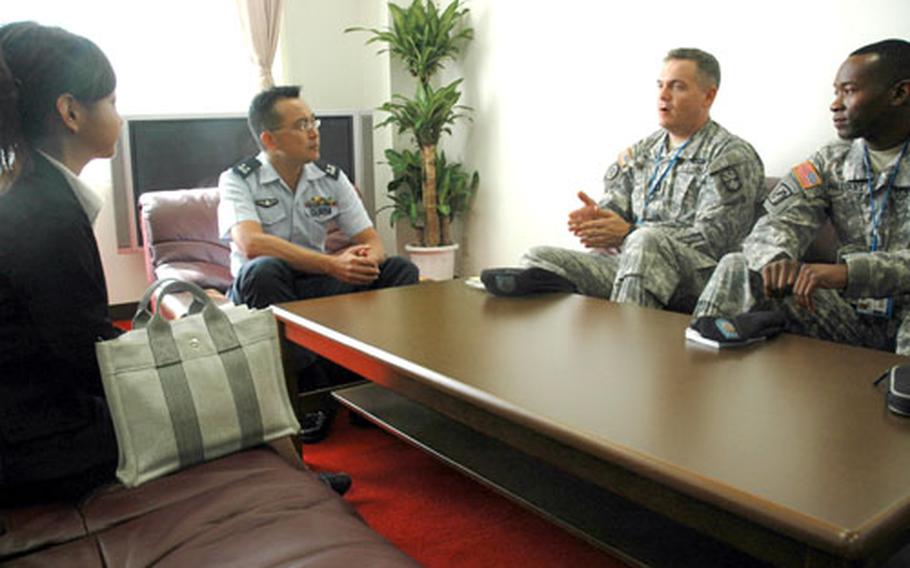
x,y
875,307
658,177
878,307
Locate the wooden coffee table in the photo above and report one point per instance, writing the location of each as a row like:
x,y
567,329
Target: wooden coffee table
x,y
604,418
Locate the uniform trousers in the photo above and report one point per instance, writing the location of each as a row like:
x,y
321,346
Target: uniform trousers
x,y
734,289
652,270
267,280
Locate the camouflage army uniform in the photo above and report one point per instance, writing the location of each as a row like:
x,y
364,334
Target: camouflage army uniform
x,y
702,210
832,184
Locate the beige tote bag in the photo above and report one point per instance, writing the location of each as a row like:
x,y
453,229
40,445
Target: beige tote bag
x,y
187,391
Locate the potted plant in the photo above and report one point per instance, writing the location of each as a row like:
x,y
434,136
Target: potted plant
x,y
426,189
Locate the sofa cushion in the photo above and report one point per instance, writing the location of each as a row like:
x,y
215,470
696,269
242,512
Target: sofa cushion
x,y
248,509
181,215
180,229
32,528
83,553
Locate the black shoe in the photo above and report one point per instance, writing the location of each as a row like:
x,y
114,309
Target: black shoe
x,y
524,281
315,426
340,482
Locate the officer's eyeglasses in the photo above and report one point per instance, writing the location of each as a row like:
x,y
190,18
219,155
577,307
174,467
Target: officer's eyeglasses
x,y
303,125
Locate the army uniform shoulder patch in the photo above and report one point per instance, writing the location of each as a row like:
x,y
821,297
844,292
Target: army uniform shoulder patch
x,y
329,169
806,175
729,178
779,198
246,167
613,171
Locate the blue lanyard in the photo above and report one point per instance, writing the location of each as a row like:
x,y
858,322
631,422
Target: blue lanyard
x,y
875,214
657,180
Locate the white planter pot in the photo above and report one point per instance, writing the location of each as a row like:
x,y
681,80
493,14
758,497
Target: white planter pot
x,y
434,263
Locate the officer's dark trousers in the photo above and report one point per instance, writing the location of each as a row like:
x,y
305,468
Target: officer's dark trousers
x,y
268,280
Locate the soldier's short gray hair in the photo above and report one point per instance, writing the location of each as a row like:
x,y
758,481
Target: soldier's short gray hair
x,y
707,64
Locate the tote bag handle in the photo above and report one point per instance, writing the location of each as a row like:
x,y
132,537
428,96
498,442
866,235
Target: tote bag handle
x,y
144,311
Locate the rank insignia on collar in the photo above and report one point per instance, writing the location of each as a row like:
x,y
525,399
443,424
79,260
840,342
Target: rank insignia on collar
x,y
329,169
246,167
807,175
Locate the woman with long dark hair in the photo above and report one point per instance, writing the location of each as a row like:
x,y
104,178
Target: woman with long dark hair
x,y
57,113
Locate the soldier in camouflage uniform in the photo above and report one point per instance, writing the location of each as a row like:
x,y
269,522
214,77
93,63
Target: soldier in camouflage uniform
x,y
673,204
862,184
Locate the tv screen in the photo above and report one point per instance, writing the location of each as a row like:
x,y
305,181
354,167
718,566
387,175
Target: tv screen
x,y
190,152
183,154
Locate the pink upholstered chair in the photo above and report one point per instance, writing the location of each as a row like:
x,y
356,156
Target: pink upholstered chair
x,y
180,236
180,240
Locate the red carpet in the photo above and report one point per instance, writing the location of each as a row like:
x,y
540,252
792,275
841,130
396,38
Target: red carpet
x,y
438,516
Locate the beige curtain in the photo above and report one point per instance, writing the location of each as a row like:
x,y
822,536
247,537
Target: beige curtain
x,y
261,20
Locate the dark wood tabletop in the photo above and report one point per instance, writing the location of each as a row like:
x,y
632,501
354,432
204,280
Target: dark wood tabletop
x,y
789,433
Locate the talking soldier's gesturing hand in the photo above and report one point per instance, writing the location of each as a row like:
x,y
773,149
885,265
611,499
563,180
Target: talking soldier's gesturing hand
x,y
596,227
588,212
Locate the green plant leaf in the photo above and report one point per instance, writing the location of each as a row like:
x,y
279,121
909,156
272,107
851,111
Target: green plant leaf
x,y
421,37
424,37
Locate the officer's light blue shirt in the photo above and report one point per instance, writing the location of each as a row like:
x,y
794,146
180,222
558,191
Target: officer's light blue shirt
x,y
299,216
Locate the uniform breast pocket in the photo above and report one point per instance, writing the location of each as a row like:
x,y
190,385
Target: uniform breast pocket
x,y
686,182
270,211
898,227
326,216
848,203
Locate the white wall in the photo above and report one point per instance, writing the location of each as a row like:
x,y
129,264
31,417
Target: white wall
x,y
337,71
560,88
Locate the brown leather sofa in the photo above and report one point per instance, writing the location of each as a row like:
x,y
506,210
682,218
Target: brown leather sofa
x,y
248,509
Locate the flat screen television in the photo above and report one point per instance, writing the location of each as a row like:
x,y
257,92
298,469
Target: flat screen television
x,y
157,153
